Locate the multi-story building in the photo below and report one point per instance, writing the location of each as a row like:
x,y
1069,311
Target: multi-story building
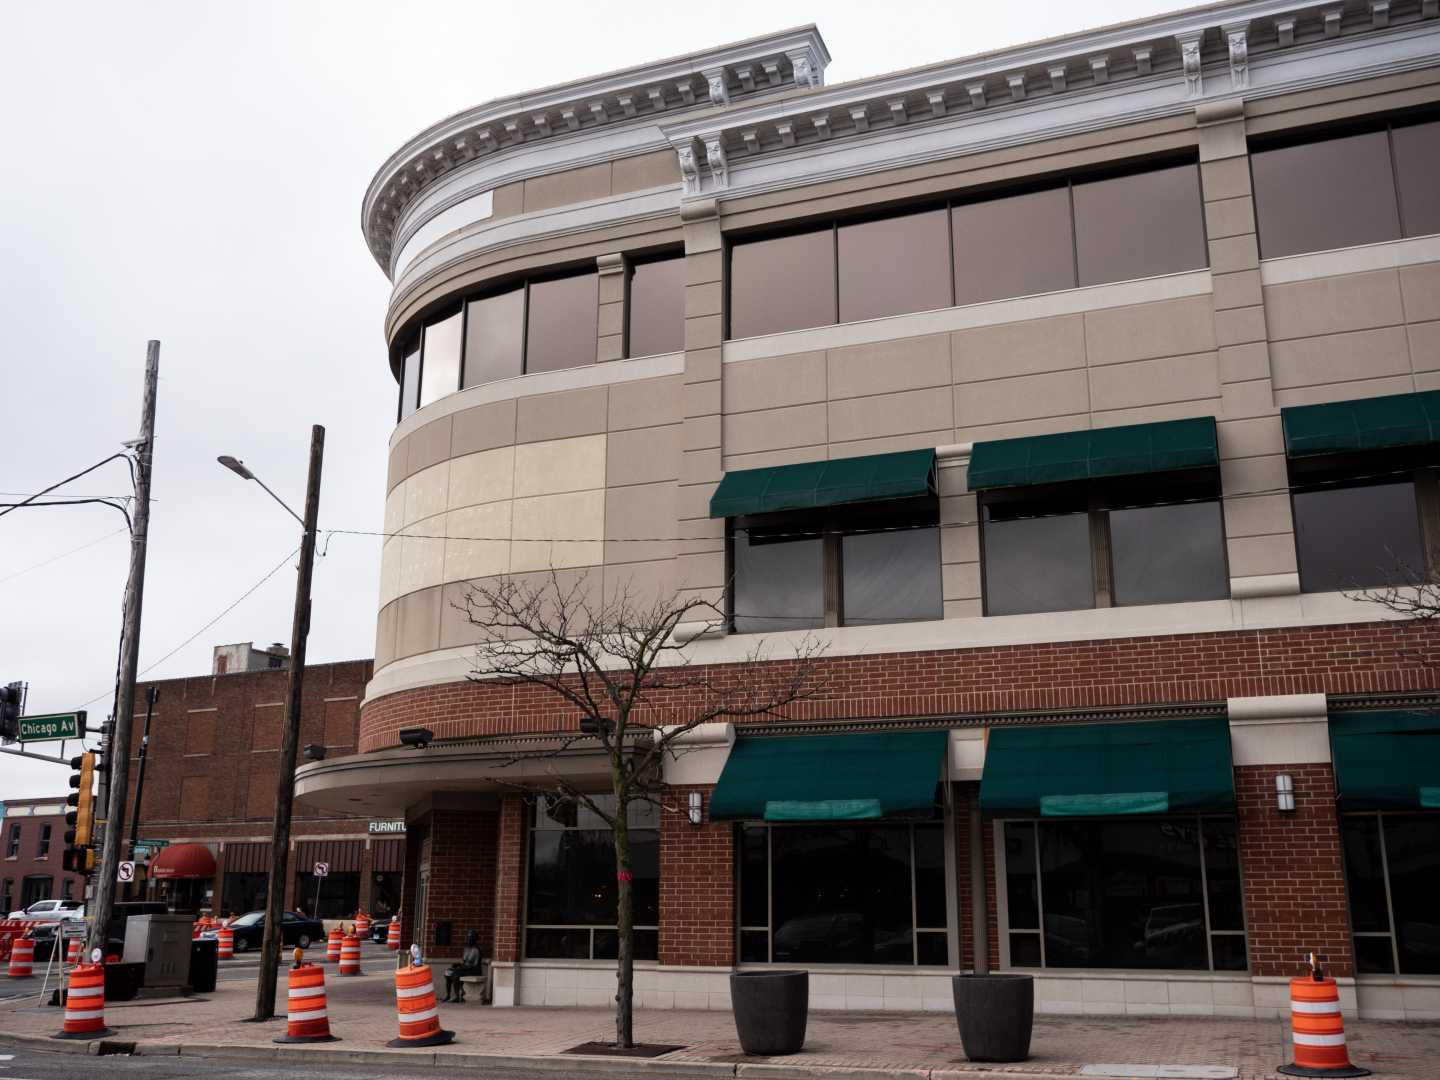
x,y
208,804
32,841
1066,394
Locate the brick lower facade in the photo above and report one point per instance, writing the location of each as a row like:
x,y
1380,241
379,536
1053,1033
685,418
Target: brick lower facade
x,y
697,884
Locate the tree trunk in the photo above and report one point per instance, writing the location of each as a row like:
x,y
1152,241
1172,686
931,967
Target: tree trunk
x,y
625,924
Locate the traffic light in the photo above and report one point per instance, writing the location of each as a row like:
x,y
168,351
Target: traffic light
x,y
81,819
10,697
78,860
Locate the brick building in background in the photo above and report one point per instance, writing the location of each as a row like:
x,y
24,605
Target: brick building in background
x,y
208,803
32,840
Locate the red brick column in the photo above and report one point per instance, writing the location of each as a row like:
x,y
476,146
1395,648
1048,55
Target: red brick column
x,y
462,872
962,795
509,879
417,837
697,885
1291,871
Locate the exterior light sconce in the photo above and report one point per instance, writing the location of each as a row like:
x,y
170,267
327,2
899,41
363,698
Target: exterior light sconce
x,y
1284,793
696,808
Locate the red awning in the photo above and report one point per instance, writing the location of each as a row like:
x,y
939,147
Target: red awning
x,y
183,861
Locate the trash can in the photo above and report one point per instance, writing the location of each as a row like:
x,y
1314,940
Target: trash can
x,y
204,963
123,981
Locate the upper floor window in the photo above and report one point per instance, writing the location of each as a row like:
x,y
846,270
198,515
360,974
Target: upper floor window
x,y
43,849
655,310
1088,230
12,846
1358,524
1338,190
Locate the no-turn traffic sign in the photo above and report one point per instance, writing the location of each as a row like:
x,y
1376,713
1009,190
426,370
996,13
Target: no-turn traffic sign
x,y
322,869
125,872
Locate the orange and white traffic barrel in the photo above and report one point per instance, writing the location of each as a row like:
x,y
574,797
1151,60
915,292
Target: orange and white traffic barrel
x,y
22,958
419,1014
362,925
350,955
305,1015
332,946
72,952
85,1003
392,936
225,943
1318,1031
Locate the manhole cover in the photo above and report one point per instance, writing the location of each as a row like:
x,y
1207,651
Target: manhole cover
x,y
604,1049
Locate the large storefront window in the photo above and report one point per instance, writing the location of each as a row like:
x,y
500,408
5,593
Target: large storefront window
x,y
843,894
570,899
243,892
337,895
1392,872
1152,893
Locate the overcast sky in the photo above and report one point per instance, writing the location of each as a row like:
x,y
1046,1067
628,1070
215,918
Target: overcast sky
x,y
192,171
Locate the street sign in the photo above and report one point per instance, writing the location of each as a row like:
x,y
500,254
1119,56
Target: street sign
x,y
322,869
52,726
125,872
147,848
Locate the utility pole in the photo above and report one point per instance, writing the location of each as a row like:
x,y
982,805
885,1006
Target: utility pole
x,y
290,741
117,761
151,696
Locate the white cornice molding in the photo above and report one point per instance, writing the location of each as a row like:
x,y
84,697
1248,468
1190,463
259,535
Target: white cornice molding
x,y
637,94
1152,68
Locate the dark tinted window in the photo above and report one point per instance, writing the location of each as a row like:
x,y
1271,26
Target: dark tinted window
x,y
1021,895
1351,537
1019,245
895,265
785,283
1331,193
778,583
1412,851
440,374
409,380
1365,875
495,337
1137,226
754,878
561,323
1168,554
1037,563
1417,175
657,307
891,577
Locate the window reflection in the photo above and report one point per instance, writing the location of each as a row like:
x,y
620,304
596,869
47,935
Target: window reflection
x,y
561,323
495,337
778,581
409,380
894,265
1392,873
890,577
657,307
440,358
1168,554
1019,245
1037,563
1358,536
784,283
1140,225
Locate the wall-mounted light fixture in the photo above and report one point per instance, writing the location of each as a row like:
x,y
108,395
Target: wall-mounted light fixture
x,y
696,808
1284,793
314,752
418,737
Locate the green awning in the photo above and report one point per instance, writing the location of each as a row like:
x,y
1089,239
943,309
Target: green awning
x,y
829,777
1386,760
1364,424
824,483
1147,767
1095,453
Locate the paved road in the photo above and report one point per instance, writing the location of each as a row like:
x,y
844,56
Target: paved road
x,y
17,1063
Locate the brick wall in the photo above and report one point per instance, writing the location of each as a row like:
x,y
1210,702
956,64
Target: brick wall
x,y
1293,875
462,870
963,795
509,878
29,863
1344,659
697,884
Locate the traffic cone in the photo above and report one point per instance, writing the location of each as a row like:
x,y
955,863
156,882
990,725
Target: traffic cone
x,y
332,946
419,1015
350,955
22,958
225,941
85,1004
72,952
362,925
392,936
1317,1029
305,1017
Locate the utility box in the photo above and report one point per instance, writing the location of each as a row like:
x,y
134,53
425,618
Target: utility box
x,y
162,944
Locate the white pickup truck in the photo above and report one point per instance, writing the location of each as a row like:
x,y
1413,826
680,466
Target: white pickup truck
x,y
51,911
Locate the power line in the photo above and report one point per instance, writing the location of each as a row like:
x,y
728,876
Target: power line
x,y
238,601
62,483
63,555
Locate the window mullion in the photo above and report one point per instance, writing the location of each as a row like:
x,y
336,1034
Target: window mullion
x,y
1205,893
1104,575
831,568
1389,902
769,896
1039,895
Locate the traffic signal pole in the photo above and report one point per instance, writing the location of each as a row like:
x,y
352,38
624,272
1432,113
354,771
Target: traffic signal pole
x,y
118,759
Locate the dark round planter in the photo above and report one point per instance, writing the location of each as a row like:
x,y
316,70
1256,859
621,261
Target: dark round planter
x,y
771,1008
995,1014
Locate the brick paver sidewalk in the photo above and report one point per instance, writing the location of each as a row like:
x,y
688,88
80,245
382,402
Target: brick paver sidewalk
x,y
362,1015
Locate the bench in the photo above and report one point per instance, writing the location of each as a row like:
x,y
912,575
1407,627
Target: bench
x,y
481,982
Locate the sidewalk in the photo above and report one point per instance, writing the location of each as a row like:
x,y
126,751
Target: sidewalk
x,y
362,1015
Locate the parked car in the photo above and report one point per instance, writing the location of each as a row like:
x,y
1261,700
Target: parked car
x,y
379,929
52,910
295,929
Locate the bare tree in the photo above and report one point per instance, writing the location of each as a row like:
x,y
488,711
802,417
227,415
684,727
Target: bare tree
x,y
622,668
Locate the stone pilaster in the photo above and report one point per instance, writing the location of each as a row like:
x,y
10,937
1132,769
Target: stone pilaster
x,y
1258,526
959,535
610,337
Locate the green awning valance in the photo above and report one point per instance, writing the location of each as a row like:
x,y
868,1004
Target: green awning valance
x,y
1386,760
1337,427
1096,453
829,777
824,483
1150,767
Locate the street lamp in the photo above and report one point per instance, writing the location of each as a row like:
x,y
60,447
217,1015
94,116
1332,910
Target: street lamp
x,y
290,739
